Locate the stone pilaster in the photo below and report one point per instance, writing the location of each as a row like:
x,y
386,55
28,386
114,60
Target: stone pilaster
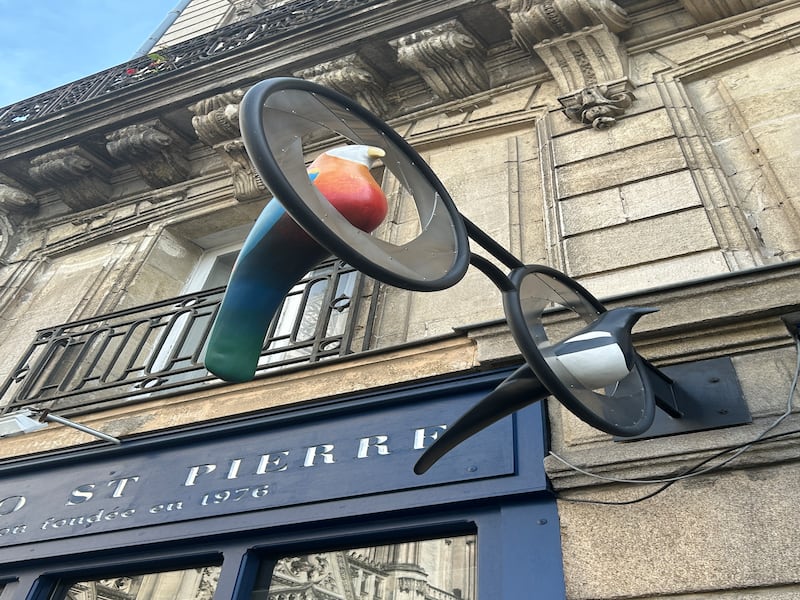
x,y
351,76
216,123
448,58
79,178
153,149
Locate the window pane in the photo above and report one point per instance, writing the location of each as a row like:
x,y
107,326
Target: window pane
x,y
440,569
191,584
220,271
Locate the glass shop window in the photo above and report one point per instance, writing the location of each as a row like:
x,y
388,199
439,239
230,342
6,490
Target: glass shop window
x,y
437,569
189,584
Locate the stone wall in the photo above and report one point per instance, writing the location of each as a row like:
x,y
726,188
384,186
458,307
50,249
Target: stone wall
x,y
647,149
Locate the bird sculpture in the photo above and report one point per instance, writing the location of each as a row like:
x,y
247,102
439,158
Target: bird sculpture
x,y
602,353
597,356
278,252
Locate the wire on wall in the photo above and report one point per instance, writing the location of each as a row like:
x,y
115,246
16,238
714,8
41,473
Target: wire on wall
x,y
734,451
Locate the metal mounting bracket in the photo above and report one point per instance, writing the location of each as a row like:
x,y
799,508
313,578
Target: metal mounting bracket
x,y
695,396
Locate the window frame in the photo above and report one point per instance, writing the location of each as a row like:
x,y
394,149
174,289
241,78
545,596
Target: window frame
x,y
516,552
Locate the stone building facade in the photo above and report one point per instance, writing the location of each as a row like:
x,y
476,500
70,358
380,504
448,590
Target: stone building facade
x,y
647,148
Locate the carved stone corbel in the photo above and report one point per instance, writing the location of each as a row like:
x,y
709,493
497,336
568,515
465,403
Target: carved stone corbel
x,y
533,21
448,58
15,205
153,149
585,58
577,41
216,123
79,178
351,76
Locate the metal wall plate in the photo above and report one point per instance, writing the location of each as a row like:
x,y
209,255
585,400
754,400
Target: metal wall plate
x,y
708,395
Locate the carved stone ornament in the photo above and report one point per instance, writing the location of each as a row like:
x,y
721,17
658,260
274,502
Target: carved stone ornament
x,y
153,149
351,76
598,105
576,39
588,57
209,580
707,11
216,122
15,204
16,201
534,21
447,57
79,178
123,585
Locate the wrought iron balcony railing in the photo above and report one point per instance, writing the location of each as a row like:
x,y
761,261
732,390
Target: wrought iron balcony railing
x,y
288,18
149,351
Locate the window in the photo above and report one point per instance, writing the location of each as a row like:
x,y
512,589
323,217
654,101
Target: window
x,y
188,584
436,569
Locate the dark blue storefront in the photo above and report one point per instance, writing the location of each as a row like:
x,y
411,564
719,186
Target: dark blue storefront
x,y
243,493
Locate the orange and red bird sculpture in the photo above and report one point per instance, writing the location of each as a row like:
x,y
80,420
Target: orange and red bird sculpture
x,y
278,253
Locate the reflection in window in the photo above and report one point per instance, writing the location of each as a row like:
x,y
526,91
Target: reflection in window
x,y
190,584
441,569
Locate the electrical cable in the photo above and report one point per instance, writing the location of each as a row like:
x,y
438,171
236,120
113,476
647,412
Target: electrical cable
x,y
687,472
737,450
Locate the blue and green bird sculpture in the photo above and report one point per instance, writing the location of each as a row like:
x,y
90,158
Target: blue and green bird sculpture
x,y
278,253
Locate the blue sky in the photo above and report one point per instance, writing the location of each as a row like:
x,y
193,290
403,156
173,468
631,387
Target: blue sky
x,y
47,43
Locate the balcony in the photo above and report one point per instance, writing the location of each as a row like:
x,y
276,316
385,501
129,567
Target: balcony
x,y
283,20
154,350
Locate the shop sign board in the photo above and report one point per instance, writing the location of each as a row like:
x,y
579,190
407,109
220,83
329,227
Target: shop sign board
x,y
301,458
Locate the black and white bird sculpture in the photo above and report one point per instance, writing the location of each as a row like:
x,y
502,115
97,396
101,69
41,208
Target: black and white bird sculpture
x,y
597,356
602,352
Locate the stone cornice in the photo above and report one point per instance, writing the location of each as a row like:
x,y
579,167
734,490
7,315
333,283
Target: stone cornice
x,y
56,235
297,52
178,88
720,27
173,92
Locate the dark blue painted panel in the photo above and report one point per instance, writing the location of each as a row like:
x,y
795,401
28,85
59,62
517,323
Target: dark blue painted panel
x,y
354,457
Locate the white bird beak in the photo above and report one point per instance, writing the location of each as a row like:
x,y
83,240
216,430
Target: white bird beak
x,y
375,153
366,155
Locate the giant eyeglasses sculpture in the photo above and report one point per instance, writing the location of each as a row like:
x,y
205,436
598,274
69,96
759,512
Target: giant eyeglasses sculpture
x,y
595,372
